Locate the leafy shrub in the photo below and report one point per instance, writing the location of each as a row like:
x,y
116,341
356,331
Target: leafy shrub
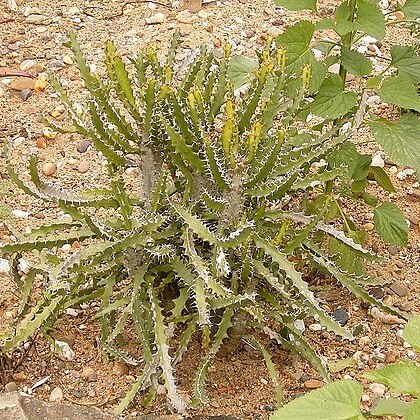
x,y
211,244
341,399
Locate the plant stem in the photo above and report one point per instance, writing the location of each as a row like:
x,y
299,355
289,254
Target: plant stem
x,y
347,40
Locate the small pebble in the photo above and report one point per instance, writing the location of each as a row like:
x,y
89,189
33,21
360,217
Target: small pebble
x,y
41,143
120,368
398,290
56,395
67,60
25,94
83,145
315,327
49,168
313,384
20,214
19,376
378,389
393,250
36,19
83,166
11,387
4,266
341,316
77,393
56,65
156,19
368,227
377,292
89,374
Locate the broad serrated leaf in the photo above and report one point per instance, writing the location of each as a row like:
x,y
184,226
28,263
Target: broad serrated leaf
x,y
297,41
405,59
390,224
411,8
240,70
336,401
400,139
297,4
390,407
413,413
355,63
412,332
398,90
382,178
401,377
370,19
331,101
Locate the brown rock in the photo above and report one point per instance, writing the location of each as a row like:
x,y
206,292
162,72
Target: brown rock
x,y
83,166
120,368
89,374
83,145
56,395
392,356
11,387
19,376
368,227
41,143
398,290
21,83
313,384
49,168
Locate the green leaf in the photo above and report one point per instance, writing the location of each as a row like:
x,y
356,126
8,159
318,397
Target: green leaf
x,y
390,224
370,19
412,332
335,401
399,90
355,62
240,70
331,101
390,407
382,178
297,41
297,4
413,412
407,62
342,18
400,139
401,377
411,8
341,364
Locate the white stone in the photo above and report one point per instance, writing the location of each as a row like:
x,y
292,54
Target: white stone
x,y
365,398
378,389
156,19
405,173
4,266
73,11
71,312
315,327
66,247
20,214
299,324
378,161
317,53
411,354
368,40
64,350
363,49
184,17
26,65
23,265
